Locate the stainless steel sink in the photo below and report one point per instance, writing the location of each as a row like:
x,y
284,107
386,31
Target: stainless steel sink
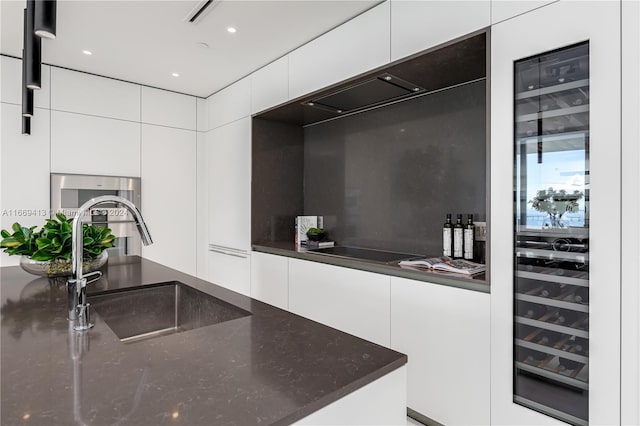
x,y
156,310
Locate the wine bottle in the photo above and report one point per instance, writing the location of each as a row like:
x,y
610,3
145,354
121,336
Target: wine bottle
x,y
458,238
532,357
567,317
447,237
569,364
552,290
582,295
546,338
531,310
469,232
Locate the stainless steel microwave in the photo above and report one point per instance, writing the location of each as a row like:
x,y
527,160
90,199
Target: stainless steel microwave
x,y
69,192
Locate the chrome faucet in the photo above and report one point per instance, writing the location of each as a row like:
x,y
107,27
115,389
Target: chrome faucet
x,y
78,308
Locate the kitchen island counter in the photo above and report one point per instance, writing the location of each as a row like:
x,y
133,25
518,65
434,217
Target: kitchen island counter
x,y
270,367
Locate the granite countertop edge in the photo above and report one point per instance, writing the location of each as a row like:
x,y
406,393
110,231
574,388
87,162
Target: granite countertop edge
x,y
288,250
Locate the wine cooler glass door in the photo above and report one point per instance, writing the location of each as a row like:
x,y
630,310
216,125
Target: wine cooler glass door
x,y
551,253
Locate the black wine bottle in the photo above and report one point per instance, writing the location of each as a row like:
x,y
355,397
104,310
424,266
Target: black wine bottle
x,y
458,238
532,357
546,338
569,364
551,290
567,317
447,237
469,233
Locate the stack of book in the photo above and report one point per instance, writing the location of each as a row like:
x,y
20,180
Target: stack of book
x,y
444,264
317,244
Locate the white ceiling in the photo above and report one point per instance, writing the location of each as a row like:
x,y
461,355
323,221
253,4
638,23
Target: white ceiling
x,y
145,41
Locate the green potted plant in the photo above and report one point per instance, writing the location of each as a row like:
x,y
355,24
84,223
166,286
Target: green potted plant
x,y
48,252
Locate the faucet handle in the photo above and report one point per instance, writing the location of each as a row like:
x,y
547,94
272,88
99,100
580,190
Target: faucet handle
x,y
91,274
82,315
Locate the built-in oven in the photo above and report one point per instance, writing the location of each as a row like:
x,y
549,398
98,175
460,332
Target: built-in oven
x,y
69,192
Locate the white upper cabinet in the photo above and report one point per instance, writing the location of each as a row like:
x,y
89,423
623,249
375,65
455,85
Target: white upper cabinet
x,y
202,115
168,108
230,104
229,185
83,93
505,9
168,173
11,76
353,48
422,24
270,85
84,144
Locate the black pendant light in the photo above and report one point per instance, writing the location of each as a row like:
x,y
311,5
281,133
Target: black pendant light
x,y
26,125
27,94
32,48
44,24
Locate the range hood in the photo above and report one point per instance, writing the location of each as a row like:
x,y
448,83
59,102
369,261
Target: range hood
x,y
378,90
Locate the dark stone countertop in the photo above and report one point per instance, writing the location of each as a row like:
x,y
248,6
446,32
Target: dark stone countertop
x,y
271,367
478,282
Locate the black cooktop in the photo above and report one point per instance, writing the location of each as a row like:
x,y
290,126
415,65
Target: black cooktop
x,y
364,254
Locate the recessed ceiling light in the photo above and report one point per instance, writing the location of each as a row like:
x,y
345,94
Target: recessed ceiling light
x,y
175,74
87,52
231,30
202,44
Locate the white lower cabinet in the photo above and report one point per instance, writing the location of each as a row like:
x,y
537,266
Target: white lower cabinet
x,y
270,279
230,270
353,301
445,331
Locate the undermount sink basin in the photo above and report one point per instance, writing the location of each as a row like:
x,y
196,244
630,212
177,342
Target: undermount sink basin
x,y
157,310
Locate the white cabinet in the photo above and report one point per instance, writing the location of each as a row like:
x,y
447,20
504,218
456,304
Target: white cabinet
x,y
169,196
230,269
229,185
83,93
353,48
563,23
270,85
168,108
353,301
11,81
202,221
445,331
422,24
24,168
270,279
230,104
506,9
84,144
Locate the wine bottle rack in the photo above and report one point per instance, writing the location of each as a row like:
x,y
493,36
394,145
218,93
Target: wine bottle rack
x,y
551,241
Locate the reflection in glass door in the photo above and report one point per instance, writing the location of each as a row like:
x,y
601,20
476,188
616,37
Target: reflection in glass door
x,y
551,184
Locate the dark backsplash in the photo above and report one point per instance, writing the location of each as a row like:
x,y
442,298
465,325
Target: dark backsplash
x,y
386,178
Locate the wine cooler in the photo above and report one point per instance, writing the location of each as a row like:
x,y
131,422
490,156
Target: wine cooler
x,y
551,242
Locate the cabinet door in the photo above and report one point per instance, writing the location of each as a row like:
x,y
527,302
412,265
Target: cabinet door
x,y
565,24
229,185
270,85
84,144
353,48
11,81
230,104
353,301
230,269
84,93
170,109
445,331
169,195
270,279
419,25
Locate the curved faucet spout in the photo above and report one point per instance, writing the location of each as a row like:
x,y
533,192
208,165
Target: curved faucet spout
x,y
76,286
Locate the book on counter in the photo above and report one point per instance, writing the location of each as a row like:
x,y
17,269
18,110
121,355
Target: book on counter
x,y
445,264
317,244
303,223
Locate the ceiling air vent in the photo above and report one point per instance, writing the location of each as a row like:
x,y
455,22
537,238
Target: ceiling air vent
x,y
201,9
